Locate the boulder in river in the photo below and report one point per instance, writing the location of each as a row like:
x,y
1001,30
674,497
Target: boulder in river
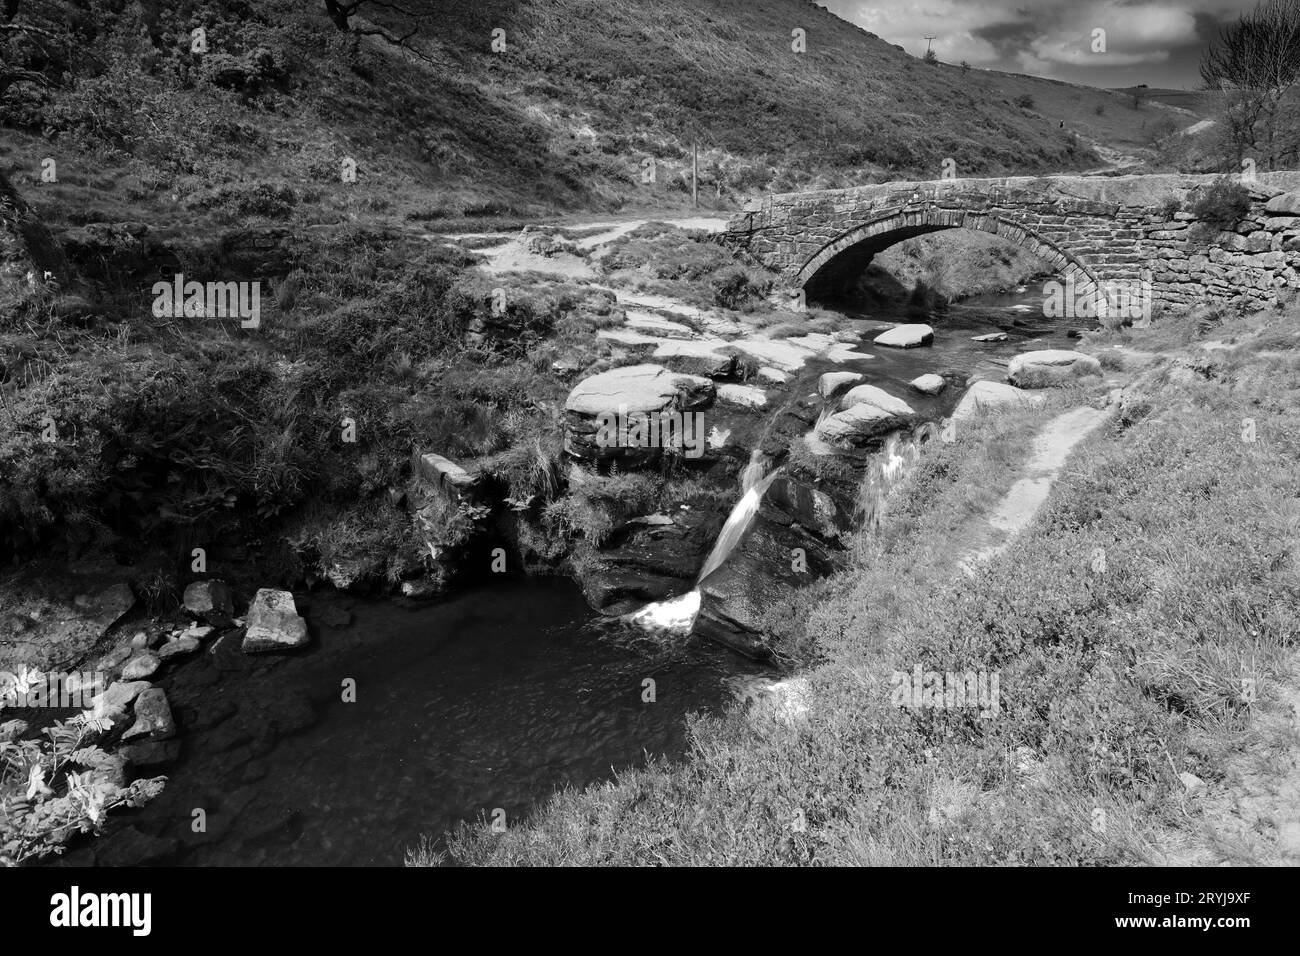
x,y
930,384
153,717
210,601
1047,368
874,395
832,383
273,623
867,413
141,666
906,336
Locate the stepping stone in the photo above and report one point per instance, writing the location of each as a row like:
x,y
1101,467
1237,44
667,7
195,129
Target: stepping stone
x,y
929,384
906,336
273,623
991,337
141,666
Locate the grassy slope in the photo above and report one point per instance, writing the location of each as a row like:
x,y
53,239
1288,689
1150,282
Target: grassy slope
x,y
1112,684
565,117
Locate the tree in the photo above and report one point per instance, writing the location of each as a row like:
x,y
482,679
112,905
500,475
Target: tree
x,y
341,13
931,57
1255,63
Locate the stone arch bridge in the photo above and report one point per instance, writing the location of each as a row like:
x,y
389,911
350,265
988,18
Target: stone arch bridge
x,y
1093,229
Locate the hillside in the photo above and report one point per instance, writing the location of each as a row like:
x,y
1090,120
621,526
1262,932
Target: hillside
x,y
567,116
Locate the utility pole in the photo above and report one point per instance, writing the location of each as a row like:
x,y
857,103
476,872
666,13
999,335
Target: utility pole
x,y
695,173
928,41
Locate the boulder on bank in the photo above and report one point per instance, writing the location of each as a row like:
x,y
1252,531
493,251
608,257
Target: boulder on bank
x,y
444,476
273,623
210,601
630,390
985,395
905,336
1049,368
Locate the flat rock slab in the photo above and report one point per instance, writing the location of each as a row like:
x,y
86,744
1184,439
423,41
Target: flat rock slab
x,y
649,322
273,623
928,384
630,337
987,395
638,388
1049,368
990,337
905,336
713,357
744,395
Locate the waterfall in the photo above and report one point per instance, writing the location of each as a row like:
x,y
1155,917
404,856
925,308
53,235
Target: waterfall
x,y
737,524
755,470
901,450
677,614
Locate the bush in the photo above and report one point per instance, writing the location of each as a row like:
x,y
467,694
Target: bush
x,y
1218,209
44,799
736,287
1025,101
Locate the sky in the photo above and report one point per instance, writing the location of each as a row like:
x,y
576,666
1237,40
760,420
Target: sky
x,y
1145,41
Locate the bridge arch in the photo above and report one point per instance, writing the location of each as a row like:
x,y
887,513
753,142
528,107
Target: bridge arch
x,y
832,268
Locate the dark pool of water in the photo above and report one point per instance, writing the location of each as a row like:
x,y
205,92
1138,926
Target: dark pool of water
x,y
494,699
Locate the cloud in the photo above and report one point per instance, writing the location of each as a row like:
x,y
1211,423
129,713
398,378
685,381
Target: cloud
x,y
1050,36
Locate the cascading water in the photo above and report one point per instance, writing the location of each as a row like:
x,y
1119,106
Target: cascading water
x,y
755,470
677,615
900,452
737,524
